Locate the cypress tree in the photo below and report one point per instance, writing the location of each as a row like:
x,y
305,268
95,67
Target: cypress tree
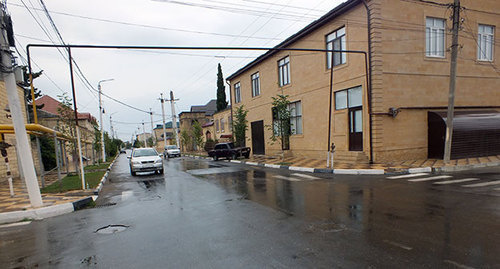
x,y
221,90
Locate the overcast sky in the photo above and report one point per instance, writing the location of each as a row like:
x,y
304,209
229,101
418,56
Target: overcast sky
x,y
140,76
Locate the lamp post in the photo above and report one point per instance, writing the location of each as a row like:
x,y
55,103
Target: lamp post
x,y
100,118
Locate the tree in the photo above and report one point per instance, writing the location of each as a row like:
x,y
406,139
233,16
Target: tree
x,y
66,124
150,141
240,125
197,134
138,143
281,121
185,139
221,90
26,86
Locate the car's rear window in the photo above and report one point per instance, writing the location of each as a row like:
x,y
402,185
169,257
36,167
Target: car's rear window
x,y
144,152
171,147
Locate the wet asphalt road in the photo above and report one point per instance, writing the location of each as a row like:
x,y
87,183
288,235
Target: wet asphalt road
x,y
205,214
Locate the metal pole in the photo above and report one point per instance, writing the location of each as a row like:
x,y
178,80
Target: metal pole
x,y
25,155
330,115
103,151
174,119
40,162
77,127
144,136
453,78
152,127
163,116
58,162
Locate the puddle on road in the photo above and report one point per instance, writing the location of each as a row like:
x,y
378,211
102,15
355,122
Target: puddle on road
x,y
111,229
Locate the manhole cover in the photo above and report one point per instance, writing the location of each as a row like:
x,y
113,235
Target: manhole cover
x,y
111,229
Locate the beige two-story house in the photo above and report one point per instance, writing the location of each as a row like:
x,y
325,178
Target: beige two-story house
x,y
382,95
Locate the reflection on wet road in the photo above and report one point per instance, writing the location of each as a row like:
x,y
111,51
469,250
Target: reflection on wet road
x,y
203,214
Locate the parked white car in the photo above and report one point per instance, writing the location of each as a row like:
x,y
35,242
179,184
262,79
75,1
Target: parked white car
x,y
145,160
172,151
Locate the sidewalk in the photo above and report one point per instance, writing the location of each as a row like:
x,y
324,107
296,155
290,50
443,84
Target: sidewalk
x,y
17,208
316,165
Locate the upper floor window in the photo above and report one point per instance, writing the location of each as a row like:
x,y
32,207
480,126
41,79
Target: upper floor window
x,y
284,71
237,93
434,37
222,125
229,122
255,84
336,41
485,42
217,125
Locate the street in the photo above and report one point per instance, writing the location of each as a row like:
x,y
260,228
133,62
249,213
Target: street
x,y
206,214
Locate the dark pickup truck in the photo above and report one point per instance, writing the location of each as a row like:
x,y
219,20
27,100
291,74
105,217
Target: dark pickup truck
x,y
227,150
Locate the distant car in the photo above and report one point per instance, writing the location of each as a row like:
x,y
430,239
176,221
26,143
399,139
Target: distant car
x,y
228,151
145,160
172,151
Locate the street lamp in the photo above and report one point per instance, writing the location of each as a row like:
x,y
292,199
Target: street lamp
x,y
100,118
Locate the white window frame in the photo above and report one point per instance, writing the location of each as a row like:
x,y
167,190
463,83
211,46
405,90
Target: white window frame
x,y
295,118
216,125
435,38
255,84
336,41
284,71
485,42
222,125
237,92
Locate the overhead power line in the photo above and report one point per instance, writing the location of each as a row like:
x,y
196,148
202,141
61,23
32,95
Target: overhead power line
x,y
152,26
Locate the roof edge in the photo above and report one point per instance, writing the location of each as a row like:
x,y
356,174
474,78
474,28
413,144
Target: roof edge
x,y
336,11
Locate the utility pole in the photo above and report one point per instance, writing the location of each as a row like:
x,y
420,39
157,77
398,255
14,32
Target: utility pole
x,y
174,118
144,135
453,78
163,116
152,127
100,118
25,156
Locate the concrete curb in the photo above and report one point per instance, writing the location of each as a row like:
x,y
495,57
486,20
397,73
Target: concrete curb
x,y
55,210
44,212
104,177
427,169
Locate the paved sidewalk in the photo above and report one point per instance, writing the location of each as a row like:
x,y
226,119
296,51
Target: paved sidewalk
x,y
394,167
20,201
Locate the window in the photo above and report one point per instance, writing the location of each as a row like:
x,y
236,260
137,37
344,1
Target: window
x,y
295,117
255,84
485,42
222,125
217,125
284,71
434,37
349,98
237,93
229,122
336,41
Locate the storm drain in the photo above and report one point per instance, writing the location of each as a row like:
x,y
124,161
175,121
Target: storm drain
x,y
111,229
105,205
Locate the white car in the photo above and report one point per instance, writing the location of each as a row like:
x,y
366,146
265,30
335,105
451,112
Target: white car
x,y
145,160
172,151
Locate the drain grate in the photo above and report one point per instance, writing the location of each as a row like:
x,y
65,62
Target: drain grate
x,y
111,229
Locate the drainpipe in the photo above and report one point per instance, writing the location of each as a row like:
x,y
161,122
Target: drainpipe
x,y
369,83
231,104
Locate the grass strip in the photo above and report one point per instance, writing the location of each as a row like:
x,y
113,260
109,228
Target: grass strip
x,y
73,182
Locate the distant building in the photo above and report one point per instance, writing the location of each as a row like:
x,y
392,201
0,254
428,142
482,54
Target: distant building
x,y
202,114
170,135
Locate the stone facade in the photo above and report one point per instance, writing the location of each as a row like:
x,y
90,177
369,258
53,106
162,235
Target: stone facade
x,y
403,77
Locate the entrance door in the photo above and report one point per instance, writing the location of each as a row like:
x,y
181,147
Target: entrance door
x,y
258,137
356,128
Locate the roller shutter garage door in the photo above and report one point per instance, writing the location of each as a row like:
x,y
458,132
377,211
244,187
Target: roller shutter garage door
x,y
475,134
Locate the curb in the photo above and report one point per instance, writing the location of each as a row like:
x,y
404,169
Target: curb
x,y
363,171
54,210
